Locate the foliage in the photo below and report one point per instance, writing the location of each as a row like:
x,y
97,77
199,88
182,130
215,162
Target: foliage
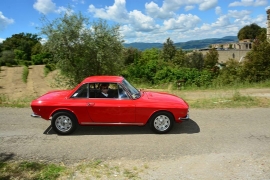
x,y
168,50
49,68
130,55
80,51
8,58
211,58
40,58
256,66
230,74
249,32
23,43
179,58
195,60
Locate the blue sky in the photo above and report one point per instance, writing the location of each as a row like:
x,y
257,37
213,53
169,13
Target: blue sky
x,y
141,20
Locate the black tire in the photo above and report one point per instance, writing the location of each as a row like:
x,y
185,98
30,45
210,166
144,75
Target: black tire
x,y
161,122
64,123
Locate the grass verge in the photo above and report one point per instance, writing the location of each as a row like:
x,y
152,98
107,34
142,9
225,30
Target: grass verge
x,y
5,101
30,170
235,101
95,169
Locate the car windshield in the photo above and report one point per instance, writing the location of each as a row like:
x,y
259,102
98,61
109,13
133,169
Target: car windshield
x,y
132,90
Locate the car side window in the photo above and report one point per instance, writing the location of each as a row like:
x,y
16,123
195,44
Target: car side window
x,y
107,90
82,92
93,90
122,93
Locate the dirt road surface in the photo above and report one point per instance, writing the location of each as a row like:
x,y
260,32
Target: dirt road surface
x,y
215,144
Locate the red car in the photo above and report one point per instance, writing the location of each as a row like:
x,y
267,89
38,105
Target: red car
x,y
109,100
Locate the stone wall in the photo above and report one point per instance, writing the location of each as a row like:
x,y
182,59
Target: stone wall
x,y
225,55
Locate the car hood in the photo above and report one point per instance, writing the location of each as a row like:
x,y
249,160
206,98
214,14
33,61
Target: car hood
x,y
165,97
59,94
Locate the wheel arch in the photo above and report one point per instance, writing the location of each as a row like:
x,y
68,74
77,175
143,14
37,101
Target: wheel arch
x,y
64,110
159,111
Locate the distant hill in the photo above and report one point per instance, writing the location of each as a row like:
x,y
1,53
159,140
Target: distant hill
x,y
194,44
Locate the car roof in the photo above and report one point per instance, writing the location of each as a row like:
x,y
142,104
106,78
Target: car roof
x,y
103,79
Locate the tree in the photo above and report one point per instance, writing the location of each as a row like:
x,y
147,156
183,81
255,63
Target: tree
x,y
211,58
131,55
169,50
195,60
230,74
256,66
179,59
7,58
23,42
82,49
249,32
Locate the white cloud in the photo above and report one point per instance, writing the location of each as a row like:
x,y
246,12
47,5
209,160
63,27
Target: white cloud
x,y
163,22
238,14
116,12
45,6
62,9
4,21
207,4
218,10
222,21
188,8
141,22
183,22
78,1
249,3
154,11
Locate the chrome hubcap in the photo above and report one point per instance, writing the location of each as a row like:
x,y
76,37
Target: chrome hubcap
x,y
162,123
63,123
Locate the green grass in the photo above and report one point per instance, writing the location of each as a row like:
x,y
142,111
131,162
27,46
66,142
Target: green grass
x,y
95,169
30,170
25,74
5,101
235,101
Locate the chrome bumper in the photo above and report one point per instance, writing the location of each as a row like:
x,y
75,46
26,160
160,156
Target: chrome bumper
x,y
35,115
185,118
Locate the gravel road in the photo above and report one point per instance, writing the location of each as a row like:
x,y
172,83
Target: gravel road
x,y
215,144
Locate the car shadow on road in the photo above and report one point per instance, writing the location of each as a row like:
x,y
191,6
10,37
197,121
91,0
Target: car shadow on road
x,y
188,127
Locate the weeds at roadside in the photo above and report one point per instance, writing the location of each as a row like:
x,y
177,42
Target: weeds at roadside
x,y
25,74
30,170
236,100
95,169
5,101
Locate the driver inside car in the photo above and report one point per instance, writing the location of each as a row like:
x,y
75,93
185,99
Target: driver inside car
x,y
104,88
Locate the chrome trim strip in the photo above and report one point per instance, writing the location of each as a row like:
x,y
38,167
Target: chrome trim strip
x,y
98,123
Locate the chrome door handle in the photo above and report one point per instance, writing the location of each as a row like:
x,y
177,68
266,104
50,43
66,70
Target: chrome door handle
x,y
90,104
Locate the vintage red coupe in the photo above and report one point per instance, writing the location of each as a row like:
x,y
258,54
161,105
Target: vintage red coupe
x,y
109,100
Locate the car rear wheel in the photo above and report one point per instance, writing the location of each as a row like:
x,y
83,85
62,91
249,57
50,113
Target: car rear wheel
x,y
64,123
161,122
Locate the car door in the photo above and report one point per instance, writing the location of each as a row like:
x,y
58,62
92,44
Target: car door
x,y
116,109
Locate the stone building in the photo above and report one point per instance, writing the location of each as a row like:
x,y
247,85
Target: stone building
x,y
237,50
245,44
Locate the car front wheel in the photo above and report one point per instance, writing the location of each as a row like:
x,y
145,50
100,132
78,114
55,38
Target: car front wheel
x,y
64,123
161,122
